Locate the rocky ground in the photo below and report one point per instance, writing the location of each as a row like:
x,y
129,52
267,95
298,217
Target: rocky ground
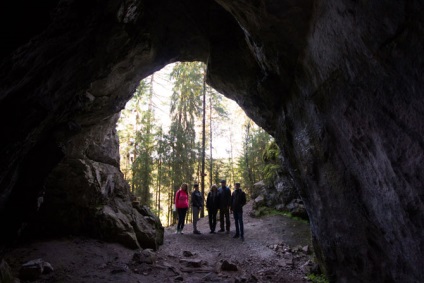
x,y
276,249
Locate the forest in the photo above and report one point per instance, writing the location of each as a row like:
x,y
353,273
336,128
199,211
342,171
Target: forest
x,y
189,134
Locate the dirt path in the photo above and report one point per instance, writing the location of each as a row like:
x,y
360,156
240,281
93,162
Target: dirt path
x,y
274,250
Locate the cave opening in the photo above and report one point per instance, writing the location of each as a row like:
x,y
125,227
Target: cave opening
x,y
235,148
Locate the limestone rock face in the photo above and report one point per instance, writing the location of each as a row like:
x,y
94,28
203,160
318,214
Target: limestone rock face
x,y
86,193
339,84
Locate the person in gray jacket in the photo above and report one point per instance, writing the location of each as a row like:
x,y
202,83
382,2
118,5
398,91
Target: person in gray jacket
x,y
196,204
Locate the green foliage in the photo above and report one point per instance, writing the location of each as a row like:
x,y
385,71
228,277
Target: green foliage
x,y
272,165
144,142
219,109
186,105
267,211
317,278
186,101
251,164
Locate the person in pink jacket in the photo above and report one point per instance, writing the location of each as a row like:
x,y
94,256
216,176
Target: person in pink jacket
x,y
181,204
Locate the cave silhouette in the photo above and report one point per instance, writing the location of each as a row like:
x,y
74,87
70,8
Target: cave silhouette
x,y
338,84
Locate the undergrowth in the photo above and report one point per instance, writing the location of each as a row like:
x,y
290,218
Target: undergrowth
x,y
266,211
317,278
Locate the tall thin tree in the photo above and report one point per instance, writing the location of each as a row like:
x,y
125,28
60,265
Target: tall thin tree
x,y
202,212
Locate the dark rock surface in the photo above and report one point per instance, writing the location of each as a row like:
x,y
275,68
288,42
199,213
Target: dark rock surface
x,y
338,83
6,274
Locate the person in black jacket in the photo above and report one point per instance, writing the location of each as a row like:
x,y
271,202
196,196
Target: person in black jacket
x,y
238,200
212,202
224,194
197,204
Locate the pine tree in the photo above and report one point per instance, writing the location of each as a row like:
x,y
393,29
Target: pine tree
x,y
218,114
144,141
186,105
251,163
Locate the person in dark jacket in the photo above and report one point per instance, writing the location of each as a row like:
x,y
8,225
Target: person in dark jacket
x,y
212,203
238,200
196,204
224,194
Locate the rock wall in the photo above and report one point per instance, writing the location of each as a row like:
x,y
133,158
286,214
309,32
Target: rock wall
x,y
339,84
355,133
349,121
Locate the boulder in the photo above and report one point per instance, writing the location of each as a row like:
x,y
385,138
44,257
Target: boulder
x,y
33,269
281,195
297,209
144,256
228,266
6,274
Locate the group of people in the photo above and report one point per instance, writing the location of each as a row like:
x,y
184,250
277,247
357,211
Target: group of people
x,y
219,199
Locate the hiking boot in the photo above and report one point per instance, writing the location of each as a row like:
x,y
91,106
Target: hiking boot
x,y
235,236
196,232
212,232
228,232
222,230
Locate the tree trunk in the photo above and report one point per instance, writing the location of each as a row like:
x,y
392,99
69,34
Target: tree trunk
x,y
202,175
210,142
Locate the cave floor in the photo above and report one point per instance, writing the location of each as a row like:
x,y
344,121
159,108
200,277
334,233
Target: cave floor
x,y
275,250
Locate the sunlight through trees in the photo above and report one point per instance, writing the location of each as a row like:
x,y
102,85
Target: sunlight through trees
x,y
161,145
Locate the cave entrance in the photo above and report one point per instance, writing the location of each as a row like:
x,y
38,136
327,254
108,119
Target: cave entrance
x,y
161,131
